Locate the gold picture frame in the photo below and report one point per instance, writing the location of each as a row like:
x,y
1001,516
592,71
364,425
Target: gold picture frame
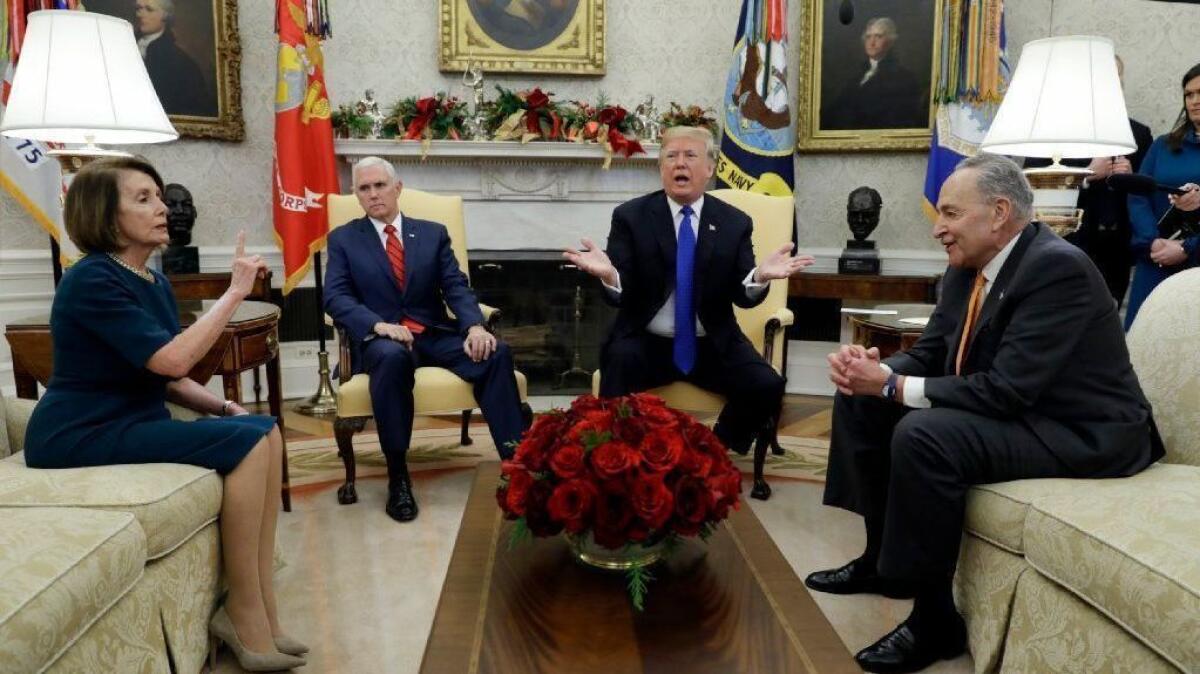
x,y
545,37
841,112
202,46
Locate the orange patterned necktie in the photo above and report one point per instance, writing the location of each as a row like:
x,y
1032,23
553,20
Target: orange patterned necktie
x,y
969,322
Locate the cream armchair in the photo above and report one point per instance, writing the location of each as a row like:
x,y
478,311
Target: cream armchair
x,y
437,390
763,324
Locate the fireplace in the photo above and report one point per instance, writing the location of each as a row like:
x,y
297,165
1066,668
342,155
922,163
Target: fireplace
x,y
553,316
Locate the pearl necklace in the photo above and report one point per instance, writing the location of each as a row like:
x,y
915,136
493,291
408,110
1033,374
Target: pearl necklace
x,y
142,273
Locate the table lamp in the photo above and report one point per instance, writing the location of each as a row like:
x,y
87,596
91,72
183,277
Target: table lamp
x,y
1064,102
81,81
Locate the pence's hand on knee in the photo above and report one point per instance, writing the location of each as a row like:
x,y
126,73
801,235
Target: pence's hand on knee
x,y
394,332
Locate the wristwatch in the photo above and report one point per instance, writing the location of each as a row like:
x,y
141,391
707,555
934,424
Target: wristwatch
x,y
889,387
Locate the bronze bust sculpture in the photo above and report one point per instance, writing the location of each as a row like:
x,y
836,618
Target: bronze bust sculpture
x,y
862,214
180,257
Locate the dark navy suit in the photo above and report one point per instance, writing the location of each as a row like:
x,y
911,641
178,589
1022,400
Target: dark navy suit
x,y
361,290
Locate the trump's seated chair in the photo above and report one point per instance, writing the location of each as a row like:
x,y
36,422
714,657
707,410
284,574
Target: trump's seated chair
x,y
763,325
436,390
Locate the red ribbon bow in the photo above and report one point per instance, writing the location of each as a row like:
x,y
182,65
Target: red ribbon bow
x,y
426,109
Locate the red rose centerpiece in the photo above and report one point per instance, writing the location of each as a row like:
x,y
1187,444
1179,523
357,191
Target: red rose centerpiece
x,y
624,478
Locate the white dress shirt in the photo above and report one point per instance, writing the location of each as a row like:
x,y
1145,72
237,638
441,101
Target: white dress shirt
x,y
914,387
663,323
144,41
870,71
379,225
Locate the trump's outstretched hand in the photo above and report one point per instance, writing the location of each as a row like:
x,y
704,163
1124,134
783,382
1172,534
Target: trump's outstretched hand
x,y
592,259
781,264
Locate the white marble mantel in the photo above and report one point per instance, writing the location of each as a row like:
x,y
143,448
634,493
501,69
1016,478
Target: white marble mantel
x,y
518,196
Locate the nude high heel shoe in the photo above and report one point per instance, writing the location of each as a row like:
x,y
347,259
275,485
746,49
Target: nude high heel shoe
x,y
221,628
286,644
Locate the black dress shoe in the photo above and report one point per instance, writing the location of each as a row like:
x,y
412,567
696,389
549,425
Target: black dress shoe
x,y
902,651
401,506
857,578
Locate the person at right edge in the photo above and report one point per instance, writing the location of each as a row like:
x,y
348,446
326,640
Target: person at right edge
x,y
1022,372
1173,159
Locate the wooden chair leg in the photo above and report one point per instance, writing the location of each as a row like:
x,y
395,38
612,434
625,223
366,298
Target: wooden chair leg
x,y
257,387
466,428
344,429
762,490
776,449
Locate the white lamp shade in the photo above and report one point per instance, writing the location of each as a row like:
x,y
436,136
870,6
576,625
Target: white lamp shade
x,y
81,79
1064,100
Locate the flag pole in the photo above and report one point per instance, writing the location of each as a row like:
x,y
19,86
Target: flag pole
x,y
324,401
56,260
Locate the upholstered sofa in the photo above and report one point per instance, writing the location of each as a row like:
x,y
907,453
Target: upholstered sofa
x,y
107,569
1100,575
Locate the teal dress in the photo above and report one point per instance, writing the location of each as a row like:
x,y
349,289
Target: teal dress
x,y
102,406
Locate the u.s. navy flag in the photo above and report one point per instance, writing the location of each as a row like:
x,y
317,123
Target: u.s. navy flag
x,y
972,76
757,145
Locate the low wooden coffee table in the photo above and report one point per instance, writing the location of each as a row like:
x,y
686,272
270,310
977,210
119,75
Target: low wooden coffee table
x,y
733,605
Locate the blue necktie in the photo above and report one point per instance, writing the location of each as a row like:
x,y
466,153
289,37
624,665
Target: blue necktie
x,y
685,313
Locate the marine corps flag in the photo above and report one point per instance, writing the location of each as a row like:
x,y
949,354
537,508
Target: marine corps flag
x,y
304,171
757,146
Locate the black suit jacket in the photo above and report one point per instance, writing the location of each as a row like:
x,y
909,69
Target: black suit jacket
x,y
642,246
1047,351
361,290
177,80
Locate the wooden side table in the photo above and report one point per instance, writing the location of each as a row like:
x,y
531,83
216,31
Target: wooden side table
x,y
250,339
891,332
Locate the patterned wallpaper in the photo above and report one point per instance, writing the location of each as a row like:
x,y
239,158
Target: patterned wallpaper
x,y
674,49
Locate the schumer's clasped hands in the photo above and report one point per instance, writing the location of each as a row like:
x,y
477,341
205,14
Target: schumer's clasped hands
x,y
856,371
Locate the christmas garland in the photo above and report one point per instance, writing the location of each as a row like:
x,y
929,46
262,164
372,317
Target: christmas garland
x,y
522,115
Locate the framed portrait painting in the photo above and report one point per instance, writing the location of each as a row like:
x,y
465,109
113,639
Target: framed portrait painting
x,y
548,37
193,55
866,68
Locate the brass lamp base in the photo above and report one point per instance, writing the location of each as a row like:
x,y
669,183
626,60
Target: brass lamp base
x,y
324,401
1055,195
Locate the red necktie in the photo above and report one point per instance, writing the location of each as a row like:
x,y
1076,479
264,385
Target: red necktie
x,y
395,253
969,322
